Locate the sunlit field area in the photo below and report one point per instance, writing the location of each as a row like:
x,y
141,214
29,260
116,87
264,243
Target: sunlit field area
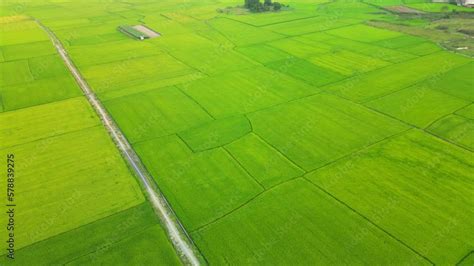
x,y
319,133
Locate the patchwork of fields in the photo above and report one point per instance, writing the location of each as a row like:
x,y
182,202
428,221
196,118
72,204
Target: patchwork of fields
x,y
72,188
295,137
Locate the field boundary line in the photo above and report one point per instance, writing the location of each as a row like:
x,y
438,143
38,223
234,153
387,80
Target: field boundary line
x,y
218,31
465,257
317,31
175,230
113,244
40,104
417,83
35,56
128,237
142,91
196,102
362,149
243,168
425,130
129,58
52,136
370,221
1,102
79,227
280,152
446,115
200,228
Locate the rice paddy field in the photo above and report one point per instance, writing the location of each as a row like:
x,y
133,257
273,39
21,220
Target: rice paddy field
x,y
308,136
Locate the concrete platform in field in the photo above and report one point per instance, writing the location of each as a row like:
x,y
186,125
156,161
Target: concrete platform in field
x,y
147,31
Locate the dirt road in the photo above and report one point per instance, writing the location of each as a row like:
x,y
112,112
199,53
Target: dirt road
x,y
176,232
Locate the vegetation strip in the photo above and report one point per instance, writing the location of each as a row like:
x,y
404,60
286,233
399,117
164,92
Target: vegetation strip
x,y
177,233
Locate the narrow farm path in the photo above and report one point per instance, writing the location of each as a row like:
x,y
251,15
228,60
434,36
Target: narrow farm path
x,y
176,232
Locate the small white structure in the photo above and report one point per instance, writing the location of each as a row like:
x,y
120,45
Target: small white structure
x,y
147,31
466,3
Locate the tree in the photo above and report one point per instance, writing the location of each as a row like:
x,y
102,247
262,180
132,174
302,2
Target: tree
x,y
276,6
251,4
257,6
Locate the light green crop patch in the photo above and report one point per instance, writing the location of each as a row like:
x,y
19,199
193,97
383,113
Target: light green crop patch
x,y
243,34
268,18
48,66
179,42
110,52
347,63
22,36
201,187
15,72
363,33
421,48
165,26
455,128
27,50
306,225
395,77
467,112
314,131
263,53
300,49
216,133
456,82
214,60
246,91
39,92
400,42
412,177
206,31
53,185
262,161
304,70
310,25
65,23
417,105
149,247
93,40
43,121
90,31
143,85
315,37
17,23
105,240
371,50
108,76
156,113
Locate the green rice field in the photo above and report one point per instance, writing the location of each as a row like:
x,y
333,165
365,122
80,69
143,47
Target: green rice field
x,y
311,135
73,187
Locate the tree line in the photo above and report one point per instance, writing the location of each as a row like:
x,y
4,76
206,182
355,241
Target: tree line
x,y
257,6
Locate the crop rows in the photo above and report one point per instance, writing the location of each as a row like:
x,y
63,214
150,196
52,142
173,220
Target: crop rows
x,y
294,137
